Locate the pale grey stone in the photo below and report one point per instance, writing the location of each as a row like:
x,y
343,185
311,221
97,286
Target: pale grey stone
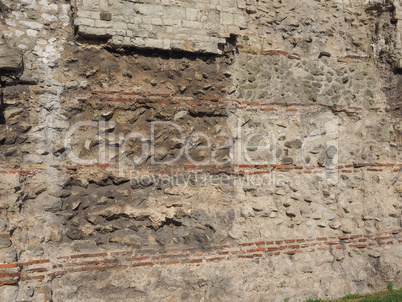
x,y
71,84
180,115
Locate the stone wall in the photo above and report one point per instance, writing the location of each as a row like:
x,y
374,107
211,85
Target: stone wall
x,y
151,152
201,26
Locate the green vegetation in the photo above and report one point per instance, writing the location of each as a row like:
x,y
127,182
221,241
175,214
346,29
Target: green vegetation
x,y
246,40
389,295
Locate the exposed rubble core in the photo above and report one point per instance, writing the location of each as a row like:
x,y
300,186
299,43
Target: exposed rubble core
x,y
199,150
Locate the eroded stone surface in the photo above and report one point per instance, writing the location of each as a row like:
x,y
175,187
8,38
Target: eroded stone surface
x,y
298,183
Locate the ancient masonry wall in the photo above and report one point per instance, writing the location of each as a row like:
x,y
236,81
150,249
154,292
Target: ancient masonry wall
x,y
199,150
200,26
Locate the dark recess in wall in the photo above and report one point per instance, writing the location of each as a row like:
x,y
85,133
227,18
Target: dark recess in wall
x,y
2,107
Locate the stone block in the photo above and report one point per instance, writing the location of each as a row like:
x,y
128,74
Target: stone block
x,y
92,32
191,14
399,64
240,21
156,21
10,58
103,24
105,16
166,44
192,24
120,25
150,10
231,29
174,12
228,3
13,113
5,240
154,43
83,14
84,21
226,19
162,20
90,5
398,10
137,42
31,25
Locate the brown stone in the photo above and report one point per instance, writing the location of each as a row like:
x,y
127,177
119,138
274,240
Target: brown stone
x,y
10,58
105,16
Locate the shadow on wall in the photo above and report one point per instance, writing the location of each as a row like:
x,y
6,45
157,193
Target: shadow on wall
x,y
3,9
227,48
2,109
2,106
393,92
389,66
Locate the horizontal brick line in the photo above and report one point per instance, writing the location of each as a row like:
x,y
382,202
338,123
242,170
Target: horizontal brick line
x,y
58,273
9,275
233,168
248,250
259,108
21,172
166,262
12,265
245,256
216,259
88,255
343,59
9,282
219,248
192,102
24,278
132,93
286,54
106,261
36,270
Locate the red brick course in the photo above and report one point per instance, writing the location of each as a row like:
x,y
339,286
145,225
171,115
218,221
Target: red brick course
x,y
188,256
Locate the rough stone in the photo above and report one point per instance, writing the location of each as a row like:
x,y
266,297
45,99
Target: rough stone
x,y
10,58
131,160
13,113
5,240
294,144
399,64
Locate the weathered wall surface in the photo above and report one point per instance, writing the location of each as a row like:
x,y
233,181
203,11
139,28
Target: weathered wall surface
x,y
200,26
199,150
